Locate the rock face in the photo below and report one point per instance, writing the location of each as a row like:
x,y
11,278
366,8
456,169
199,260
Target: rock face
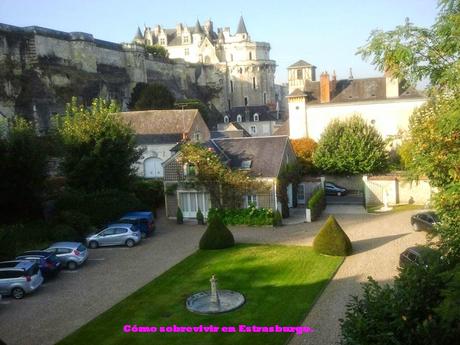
x,y
41,69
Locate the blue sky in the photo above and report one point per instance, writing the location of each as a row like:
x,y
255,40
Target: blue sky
x,y
324,33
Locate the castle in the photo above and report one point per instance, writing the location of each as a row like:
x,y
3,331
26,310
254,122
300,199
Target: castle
x,y
248,71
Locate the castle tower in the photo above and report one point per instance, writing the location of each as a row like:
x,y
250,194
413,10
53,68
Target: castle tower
x,y
297,103
138,38
241,31
299,73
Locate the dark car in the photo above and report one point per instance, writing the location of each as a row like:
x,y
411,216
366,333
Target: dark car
x,y
142,220
333,189
47,262
419,255
424,221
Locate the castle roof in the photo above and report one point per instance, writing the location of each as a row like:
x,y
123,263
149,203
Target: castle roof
x,y
301,63
198,29
241,27
138,34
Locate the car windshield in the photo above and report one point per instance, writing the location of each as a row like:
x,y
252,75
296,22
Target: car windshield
x,y
81,248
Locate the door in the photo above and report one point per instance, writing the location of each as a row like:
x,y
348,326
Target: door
x,y
289,194
153,168
189,202
301,194
107,237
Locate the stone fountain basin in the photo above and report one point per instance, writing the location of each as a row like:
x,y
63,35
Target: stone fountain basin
x,y
201,302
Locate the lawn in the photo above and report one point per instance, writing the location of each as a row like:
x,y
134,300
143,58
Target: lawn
x,y
396,208
280,284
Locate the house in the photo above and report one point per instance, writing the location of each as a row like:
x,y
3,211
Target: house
x,y
382,101
264,157
158,131
256,120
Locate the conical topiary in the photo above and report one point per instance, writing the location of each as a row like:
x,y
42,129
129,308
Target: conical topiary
x,y
332,240
179,216
217,235
199,217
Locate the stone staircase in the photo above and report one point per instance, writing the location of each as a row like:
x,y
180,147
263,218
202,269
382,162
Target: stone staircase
x,y
31,53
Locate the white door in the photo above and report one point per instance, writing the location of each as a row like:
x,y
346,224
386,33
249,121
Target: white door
x,y
153,168
289,194
301,194
189,202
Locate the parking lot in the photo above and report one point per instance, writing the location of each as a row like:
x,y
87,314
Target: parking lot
x,y
73,298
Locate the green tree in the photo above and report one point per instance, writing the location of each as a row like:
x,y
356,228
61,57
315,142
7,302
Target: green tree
x,y
225,186
99,149
23,171
154,96
350,146
157,51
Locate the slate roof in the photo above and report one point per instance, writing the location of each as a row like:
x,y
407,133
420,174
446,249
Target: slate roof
x,y
301,63
138,34
283,129
241,27
160,126
354,90
265,153
247,113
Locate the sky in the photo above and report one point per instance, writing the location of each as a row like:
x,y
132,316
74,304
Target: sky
x,y
323,33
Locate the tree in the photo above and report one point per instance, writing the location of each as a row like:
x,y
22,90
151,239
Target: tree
x,y
225,186
99,149
209,116
415,53
23,171
304,149
153,96
350,146
157,51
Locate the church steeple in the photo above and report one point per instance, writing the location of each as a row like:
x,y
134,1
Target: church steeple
x,y
241,27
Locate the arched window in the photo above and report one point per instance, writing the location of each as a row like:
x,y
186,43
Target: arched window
x,y
238,118
256,117
226,119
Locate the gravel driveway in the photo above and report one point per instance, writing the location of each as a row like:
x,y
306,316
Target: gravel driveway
x,y
64,304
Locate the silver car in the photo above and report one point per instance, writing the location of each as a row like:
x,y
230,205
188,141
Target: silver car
x,y
70,254
19,277
115,234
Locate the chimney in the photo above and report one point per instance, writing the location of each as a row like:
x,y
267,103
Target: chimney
x,y
324,86
391,85
179,29
333,84
351,74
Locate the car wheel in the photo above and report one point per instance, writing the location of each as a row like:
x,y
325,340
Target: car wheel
x,y
130,243
416,226
339,193
93,245
18,293
71,265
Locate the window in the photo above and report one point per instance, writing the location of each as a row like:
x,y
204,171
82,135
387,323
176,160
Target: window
x,y
229,104
246,164
245,101
119,231
253,130
189,202
251,199
265,98
226,119
231,57
241,70
231,85
254,83
299,74
185,39
189,170
162,41
250,56
197,136
186,52
108,232
238,118
256,117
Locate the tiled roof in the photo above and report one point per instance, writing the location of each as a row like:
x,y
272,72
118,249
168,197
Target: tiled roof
x,y
301,63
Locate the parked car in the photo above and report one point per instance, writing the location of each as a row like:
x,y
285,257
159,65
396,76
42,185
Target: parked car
x,y
19,277
333,189
424,221
418,255
47,262
115,234
142,220
70,254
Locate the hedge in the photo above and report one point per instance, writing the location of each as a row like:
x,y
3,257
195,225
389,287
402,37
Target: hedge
x,y
243,216
317,204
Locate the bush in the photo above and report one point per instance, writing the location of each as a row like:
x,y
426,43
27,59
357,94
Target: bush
x,y
247,216
217,235
63,232
277,219
79,222
179,216
200,217
149,192
317,204
332,240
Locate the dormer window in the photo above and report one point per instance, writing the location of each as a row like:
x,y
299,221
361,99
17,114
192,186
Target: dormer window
x,y
197,136
226,119
189,169
162,41
246,164
239,118
185,40
256,117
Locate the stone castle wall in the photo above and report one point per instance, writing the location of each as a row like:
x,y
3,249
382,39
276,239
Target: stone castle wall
x,y
41,69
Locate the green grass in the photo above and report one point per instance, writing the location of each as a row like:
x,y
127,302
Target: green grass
x,y
396,208
280,284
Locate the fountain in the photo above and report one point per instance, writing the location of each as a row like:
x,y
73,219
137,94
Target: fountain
x,y
214,301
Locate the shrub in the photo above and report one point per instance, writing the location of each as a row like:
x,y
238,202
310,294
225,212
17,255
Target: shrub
x,y
149,192
200,217
247,216
304,149
317,204
179,216
332,240
217,235
79,222
277,219
63,232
